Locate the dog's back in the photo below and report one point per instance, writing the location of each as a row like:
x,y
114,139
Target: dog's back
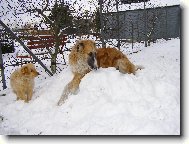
x,y
111,57
107,57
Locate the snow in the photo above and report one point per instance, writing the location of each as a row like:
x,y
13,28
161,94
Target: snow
x,y
149,4
108,102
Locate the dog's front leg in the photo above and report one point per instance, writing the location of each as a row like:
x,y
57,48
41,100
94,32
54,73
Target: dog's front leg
x,y
71,88
21,95
29,94
64,95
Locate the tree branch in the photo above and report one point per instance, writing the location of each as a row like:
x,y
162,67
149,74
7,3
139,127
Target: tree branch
x,y
45,8
41,12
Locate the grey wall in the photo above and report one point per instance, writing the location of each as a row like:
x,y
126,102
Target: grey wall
x,y
162,22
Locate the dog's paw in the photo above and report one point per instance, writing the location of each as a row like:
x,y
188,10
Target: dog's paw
x,y
60,102
76,91
139,67
26,101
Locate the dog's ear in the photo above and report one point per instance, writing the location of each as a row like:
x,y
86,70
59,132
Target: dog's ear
x,y
79,46
25,70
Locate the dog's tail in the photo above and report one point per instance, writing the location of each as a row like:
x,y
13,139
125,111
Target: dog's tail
x,y
139,67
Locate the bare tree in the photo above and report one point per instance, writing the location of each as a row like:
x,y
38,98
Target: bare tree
x,y
59,19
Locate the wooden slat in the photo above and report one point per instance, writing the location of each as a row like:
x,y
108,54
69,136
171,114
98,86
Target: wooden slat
x,y
44,41
40,46
40,42
22,56
46,37
30,37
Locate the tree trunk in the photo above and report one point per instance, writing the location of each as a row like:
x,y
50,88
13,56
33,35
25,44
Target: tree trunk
x,y
56,30
53,63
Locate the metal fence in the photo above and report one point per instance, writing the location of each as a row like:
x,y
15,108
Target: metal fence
x,y
148,22
46,30
162,22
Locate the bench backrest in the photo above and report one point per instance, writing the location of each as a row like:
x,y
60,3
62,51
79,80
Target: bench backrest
x,y
43,41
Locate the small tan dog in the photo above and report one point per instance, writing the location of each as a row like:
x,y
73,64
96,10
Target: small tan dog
x,y
22,81
111,57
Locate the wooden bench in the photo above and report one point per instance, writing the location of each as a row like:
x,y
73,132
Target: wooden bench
x,y
23,57
41,44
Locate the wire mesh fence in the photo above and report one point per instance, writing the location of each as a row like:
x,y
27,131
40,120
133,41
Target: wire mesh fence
x,y
43,32
143,21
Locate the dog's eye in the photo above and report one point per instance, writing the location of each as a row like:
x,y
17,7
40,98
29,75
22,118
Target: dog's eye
x,y
81,44
90,54
31,70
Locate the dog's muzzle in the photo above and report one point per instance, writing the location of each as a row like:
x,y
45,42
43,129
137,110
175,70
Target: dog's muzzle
x,y
92,62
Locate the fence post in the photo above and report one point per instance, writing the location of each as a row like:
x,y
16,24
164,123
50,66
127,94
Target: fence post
x,y
166,36
101,24
2,69
118,25
132,34
145,23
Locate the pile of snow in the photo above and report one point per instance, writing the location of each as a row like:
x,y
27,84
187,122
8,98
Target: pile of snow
x,y
108,102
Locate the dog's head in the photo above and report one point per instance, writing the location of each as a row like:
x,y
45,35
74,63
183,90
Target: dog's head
x,y
29,70
88,49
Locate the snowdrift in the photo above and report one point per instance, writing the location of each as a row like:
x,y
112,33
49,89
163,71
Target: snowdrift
x,y
108,103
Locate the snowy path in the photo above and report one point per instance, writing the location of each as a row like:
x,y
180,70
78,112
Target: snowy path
x,y
108,102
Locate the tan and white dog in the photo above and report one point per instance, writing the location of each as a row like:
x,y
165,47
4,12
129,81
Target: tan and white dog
x,y
82,60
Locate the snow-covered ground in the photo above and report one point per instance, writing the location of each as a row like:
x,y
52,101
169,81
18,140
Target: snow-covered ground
x,y
108,102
